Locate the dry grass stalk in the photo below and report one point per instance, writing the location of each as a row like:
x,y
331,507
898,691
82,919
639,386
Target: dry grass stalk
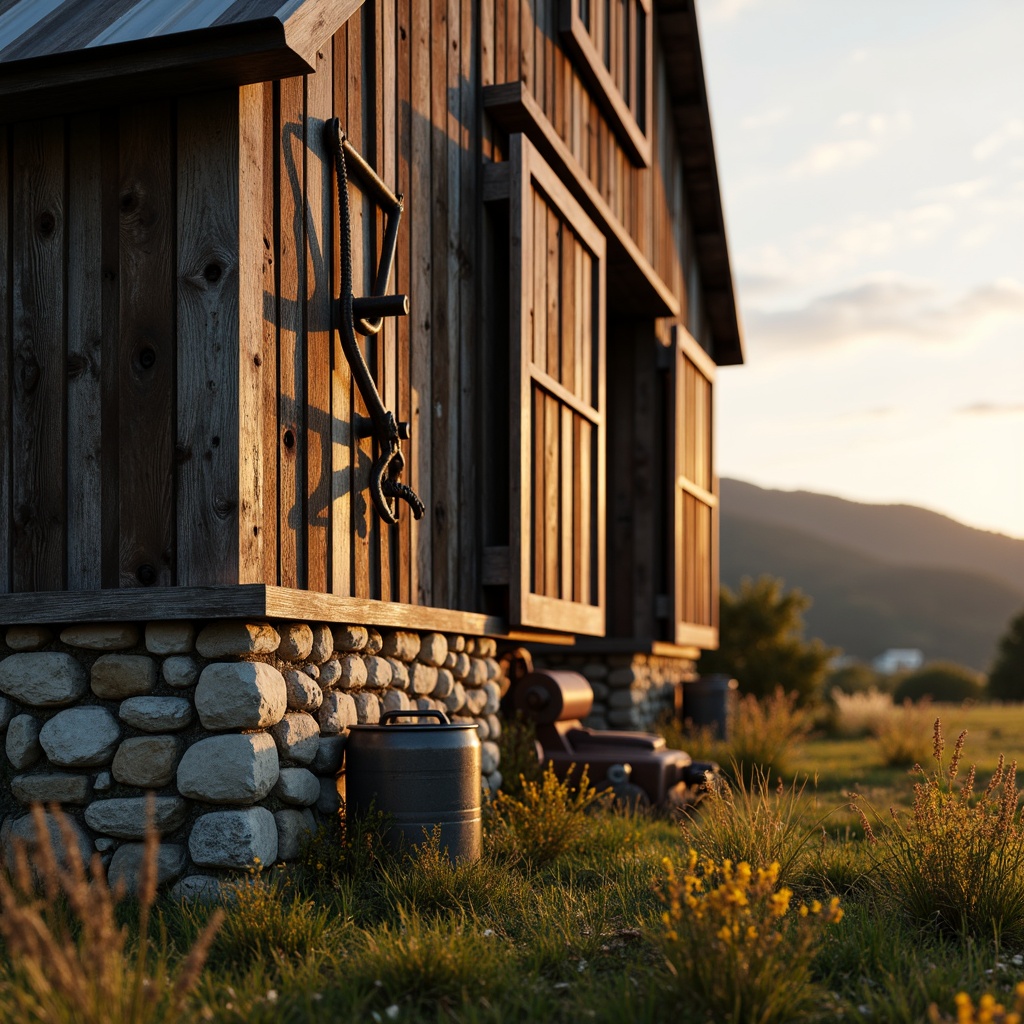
x,y
70,960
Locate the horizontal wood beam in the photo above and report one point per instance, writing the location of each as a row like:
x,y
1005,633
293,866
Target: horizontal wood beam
x,y
253,600
639,288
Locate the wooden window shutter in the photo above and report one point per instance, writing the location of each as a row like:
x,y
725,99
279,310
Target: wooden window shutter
x,y
556,560
695,496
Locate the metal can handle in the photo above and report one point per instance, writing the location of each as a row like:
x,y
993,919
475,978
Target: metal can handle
x,y
390,716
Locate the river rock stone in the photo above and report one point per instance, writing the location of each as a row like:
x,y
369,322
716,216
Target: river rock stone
x,y
80,737
353,672
298,787
378,673
444,685
490,757
476,701
240,695
399,674
101,636
52,788
483,730
234,839
180,671
197,889
103,782
374,642
296,642
349,638
403,646
126,865
624,676
329,755
156,714
294,827
304,693
297,736
147,761
337,713
331,794
462,666
43,679
493,691
6,712
116,676
367,708
126,817
170,637
477,674
486,646
396,700
330,674
23,830
233,639
231,769
433,649
323,644
27,638
494,726
456,700
422,678
456,643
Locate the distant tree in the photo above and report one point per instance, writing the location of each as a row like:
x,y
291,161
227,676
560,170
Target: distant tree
x,y
1006,680
943,681
856,677
761,641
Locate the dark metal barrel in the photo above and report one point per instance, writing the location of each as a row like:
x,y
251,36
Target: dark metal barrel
x,y
422,776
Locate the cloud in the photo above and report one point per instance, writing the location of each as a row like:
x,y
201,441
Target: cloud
x,y
890,308
991,144
827,156
992,409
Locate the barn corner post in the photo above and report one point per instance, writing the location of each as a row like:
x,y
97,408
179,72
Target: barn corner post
x,y
205,596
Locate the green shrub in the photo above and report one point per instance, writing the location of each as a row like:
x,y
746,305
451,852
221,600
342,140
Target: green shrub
x,y
547,820
735,942
1006,680
763,732
856,677
941,681
956,861
903,735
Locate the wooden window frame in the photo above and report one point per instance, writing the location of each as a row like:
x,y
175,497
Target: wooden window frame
x,y
631,126
515,180
697,634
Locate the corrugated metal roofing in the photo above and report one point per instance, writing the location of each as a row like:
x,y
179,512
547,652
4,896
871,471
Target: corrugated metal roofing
x,y
39,28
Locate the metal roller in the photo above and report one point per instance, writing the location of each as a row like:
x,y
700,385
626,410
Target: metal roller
x,y
554,696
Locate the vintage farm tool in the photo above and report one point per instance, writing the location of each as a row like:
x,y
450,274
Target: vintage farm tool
x,y
636,766
366,315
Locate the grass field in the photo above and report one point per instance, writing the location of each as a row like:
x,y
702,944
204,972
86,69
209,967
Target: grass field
x,y
562,919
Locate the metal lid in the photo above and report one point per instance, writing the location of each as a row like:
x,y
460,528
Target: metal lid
x,y
442,721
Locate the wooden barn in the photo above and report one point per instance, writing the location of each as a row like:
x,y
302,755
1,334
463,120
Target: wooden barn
x,y
482,412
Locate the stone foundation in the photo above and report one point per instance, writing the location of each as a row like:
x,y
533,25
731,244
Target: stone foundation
x,y
238,728
631,690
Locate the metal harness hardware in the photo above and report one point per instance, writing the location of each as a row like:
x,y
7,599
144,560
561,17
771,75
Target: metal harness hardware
x,y
366,315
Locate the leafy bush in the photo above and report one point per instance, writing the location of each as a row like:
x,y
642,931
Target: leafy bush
x,y
545,821
734,942
761,641
519,760
903,737
69,959
856,677
956,862
1006,680
763,732
941,681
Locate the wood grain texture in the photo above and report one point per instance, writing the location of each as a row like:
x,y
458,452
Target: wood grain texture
x,y
146,353
85,355
208,343
6,382
38,370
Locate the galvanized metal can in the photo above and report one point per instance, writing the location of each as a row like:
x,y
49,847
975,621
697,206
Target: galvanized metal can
x,y
422,775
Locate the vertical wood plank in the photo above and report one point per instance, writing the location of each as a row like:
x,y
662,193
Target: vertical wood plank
x,y
540,281
146,356
551,318
269,309
527,42
566,513
85,334
256,485
513,16
341,377
538,531
386,158
419,227
291,367
552,490
38,364
319,244
6,199
208,352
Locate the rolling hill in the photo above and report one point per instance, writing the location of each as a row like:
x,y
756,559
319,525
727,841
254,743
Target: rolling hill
x,y
880,576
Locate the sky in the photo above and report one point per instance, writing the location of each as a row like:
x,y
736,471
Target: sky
x,y
871,157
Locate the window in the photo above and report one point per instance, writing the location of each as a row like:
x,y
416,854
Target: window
x,y
694,532
610,41
556,558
